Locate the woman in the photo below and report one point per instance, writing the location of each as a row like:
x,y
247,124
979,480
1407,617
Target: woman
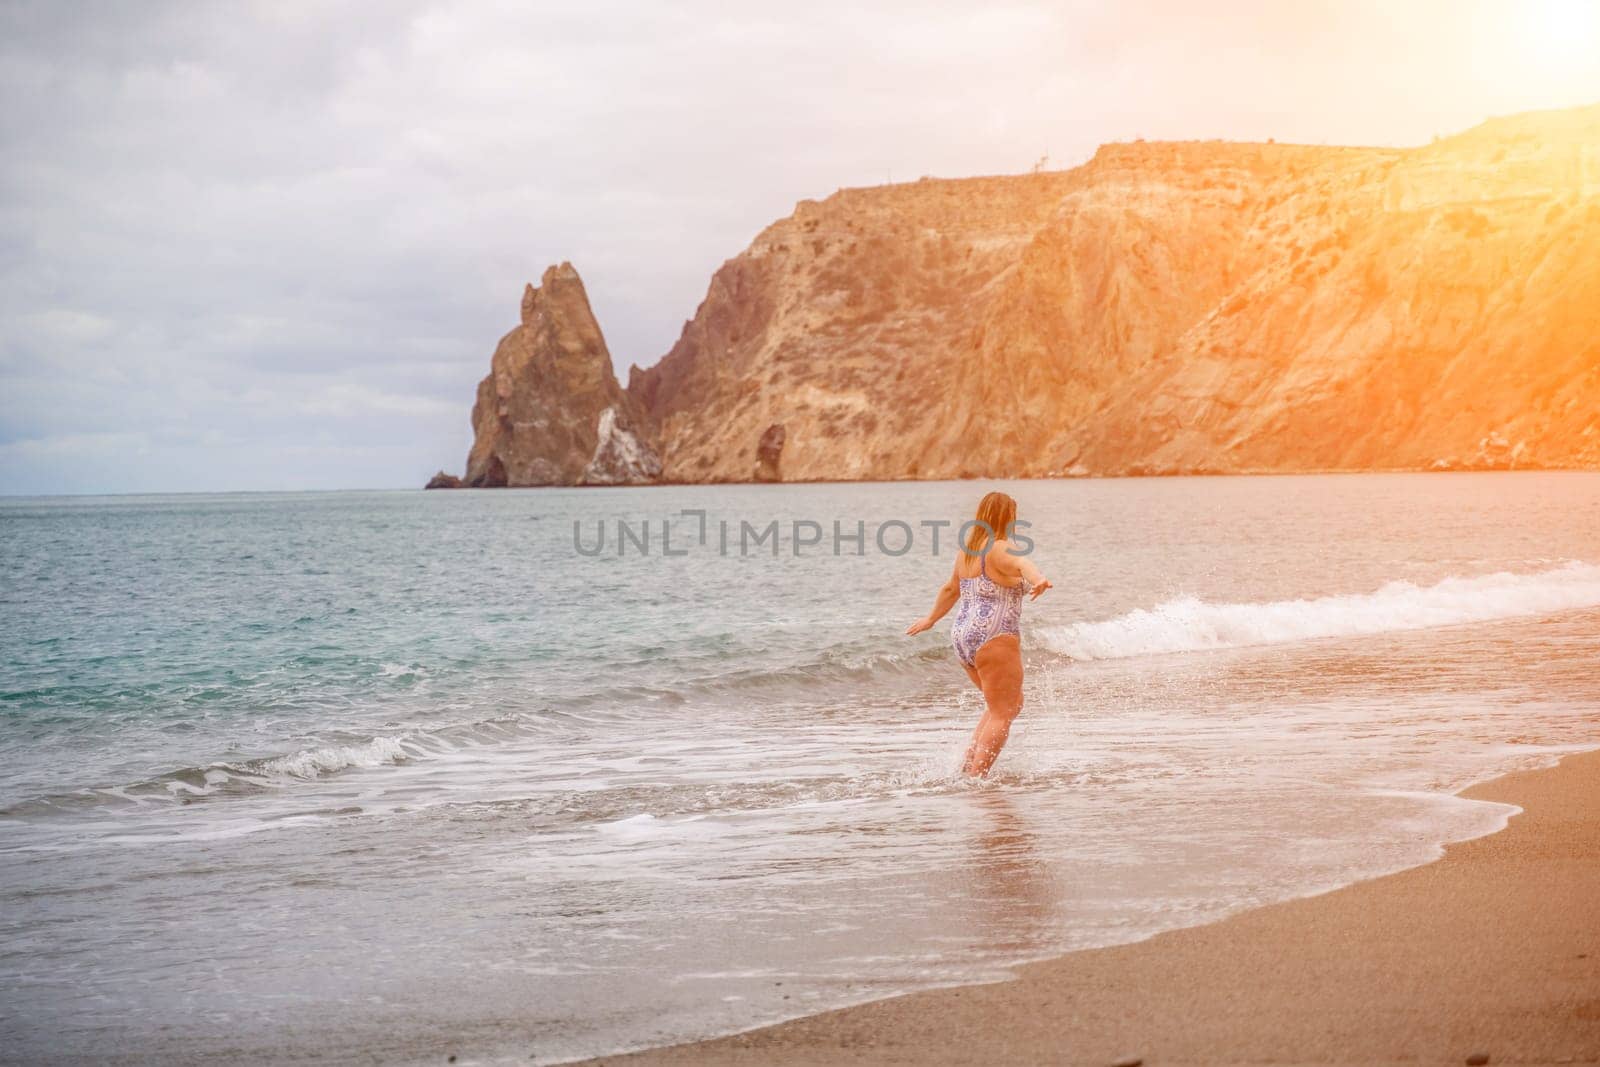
x,y
989,578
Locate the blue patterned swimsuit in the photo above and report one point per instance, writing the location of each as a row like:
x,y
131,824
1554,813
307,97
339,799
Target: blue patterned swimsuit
x,y
986,610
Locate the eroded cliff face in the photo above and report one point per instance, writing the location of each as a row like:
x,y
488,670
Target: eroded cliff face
x,y
551,412
845,323
1167,307
1195,307
1434,308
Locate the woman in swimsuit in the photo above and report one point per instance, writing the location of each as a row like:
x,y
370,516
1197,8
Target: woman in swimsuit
x,y
988,581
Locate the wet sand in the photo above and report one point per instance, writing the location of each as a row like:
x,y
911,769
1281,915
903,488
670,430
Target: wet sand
x,y
1492,950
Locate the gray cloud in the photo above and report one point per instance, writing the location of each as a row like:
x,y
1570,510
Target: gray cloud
x,y
273,245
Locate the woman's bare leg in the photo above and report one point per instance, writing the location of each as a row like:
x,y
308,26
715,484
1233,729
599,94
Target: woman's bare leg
x,y
1000,676
972,673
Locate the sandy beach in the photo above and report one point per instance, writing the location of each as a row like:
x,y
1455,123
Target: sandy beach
x,y
1492,951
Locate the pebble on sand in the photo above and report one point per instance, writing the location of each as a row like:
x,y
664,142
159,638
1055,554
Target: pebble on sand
x,y
1477,1059
1129,1061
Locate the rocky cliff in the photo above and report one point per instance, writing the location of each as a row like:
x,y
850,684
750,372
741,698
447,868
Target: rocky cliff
x,y
551,412
1167,307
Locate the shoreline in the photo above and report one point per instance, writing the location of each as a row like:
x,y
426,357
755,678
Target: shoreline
x,y
1491,949
1262,472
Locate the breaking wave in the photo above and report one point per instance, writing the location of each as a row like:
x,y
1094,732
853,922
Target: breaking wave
x,y
1191,625
330,759
847,665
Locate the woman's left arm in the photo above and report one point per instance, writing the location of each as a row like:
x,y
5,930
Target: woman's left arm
x,y
949,593
1031,575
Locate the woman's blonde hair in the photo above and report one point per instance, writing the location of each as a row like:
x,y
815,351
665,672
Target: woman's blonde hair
x,y
997,514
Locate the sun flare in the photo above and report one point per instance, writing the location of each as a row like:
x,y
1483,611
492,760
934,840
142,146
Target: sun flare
x,y
1561,30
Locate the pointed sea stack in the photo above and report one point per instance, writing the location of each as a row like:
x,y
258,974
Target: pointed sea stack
x,y
550,411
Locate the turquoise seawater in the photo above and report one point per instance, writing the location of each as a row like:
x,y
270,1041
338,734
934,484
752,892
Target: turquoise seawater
x,y
402,775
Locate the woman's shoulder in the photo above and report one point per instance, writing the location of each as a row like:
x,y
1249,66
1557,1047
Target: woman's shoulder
x,y
1006,552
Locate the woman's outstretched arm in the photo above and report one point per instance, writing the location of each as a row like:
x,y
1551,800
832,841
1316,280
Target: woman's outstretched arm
x,y
1025,567
949,593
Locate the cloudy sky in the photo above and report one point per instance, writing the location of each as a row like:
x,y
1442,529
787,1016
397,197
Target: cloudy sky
x,y
272,245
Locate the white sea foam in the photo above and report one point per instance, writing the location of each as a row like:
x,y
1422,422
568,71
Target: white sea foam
x,y
314,762
1191,625
641,825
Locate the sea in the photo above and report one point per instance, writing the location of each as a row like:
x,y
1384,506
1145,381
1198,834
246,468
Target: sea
x,y
533,775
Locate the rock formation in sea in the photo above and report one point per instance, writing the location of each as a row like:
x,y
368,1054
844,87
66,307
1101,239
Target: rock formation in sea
x,y
551,412
1165,308
443,480
769,453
